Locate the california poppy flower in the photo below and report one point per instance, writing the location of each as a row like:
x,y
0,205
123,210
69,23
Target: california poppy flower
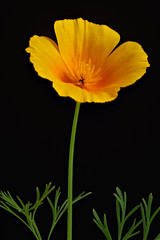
x,y
83,65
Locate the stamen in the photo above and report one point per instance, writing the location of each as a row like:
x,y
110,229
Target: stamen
x,y
81,81
86,74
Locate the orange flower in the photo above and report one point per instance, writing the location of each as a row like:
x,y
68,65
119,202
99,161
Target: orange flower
x,y
83,65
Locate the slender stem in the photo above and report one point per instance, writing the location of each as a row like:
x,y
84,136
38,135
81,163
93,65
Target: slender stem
x,y
70,172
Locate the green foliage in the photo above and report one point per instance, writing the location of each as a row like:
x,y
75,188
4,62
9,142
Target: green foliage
x,y
146,216
103,226
28,211
158,237
58,211
121,205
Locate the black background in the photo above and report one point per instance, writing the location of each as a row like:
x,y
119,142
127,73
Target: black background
x,y
117,143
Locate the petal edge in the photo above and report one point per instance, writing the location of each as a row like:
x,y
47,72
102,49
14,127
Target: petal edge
x,y
125,65
46,59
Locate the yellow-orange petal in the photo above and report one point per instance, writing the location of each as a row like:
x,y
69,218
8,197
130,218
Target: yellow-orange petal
x,y
46,59
125,65
82,95
83,41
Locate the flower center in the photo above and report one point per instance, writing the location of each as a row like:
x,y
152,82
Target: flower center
x,y
86,74
81,82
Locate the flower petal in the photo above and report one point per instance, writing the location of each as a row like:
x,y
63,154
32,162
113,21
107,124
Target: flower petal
x,y
46,59
82,95
80,40
125,65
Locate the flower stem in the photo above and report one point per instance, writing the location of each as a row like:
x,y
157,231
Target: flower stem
x,y
70,172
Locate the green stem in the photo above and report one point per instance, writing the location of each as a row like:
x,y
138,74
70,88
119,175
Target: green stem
x,y
70,172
